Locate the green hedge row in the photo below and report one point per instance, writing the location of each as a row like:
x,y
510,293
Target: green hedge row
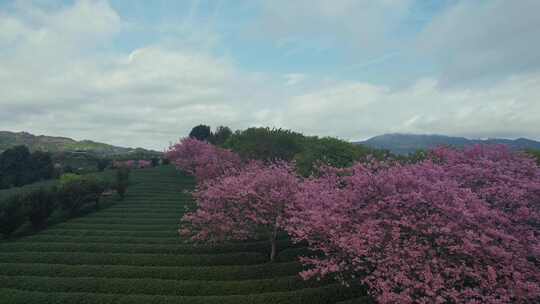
x,y
101,239
155,286
113,227
139,259
120,211
90,232
326,294
207,273
127,221
262,247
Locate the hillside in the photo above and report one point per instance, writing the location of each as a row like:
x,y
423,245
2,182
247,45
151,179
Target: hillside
x,y
61,144
131,253
407,143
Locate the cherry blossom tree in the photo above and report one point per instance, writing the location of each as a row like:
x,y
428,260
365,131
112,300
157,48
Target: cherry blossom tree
x,y
202,159
250,203
459,227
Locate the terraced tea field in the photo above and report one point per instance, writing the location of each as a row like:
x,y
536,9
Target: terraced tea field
x,y
131,253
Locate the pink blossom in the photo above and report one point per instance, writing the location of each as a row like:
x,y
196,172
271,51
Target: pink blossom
x,y
460,227
205,161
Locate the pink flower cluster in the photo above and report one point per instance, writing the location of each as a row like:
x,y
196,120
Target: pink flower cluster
x,y
144,164
460,227
463,226
132,164
205,161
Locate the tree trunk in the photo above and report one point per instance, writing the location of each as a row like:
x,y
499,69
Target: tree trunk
x,y
273,242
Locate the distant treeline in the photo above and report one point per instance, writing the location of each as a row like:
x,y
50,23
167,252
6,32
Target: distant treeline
x,y
19,166
268,144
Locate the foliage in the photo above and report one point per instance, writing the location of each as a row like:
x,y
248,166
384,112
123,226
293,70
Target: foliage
x,y
248,204
330,151
220,136
19,167
205,161
200,132
535,154
102,164
122,181
39,205
155,161
12,215
459,227
76,191
266,144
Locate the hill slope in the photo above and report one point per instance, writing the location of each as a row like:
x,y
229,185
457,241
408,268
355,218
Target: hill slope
x,y
60,144
131,253
407,143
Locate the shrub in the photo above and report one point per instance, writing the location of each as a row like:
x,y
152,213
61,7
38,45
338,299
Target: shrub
x,y
76,191
12,214
39,206
122,181
155,161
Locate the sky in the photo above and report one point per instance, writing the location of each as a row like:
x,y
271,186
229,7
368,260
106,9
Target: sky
x,y
143,73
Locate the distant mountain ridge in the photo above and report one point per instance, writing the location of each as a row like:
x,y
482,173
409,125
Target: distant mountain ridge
x,y
400,143
61,144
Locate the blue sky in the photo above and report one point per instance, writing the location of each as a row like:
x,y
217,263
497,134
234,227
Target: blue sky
x,y
142,73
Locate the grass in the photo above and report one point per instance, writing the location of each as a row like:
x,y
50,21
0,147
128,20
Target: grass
x,y
130,252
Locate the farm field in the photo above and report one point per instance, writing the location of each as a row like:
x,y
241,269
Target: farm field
x,y
131,253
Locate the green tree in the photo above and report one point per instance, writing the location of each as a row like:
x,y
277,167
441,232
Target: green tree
x,y
329,151
12,215
200,132
122,181
220,136
266,144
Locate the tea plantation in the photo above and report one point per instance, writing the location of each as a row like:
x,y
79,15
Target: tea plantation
x,y
131,253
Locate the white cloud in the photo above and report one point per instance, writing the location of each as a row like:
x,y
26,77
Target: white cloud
x,y
484,40
361,110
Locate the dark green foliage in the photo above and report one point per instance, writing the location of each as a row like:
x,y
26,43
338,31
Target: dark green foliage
x,y
155,161
76,191
39,206
207,273
19,167
102,164
200,132
535,154
41,165
122,181
12,215
320,295
220,136
329,151
266,144
134,259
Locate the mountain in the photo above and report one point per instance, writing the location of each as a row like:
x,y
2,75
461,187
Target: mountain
x,y
406,143
62,144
